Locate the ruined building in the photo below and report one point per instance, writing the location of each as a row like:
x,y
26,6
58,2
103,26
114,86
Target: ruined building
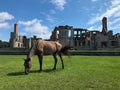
x,y
78,38
17,41
81,38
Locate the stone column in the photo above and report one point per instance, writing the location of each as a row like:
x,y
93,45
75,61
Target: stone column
x,y
104,25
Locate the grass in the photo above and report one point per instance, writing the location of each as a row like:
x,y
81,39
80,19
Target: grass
x,y
80,73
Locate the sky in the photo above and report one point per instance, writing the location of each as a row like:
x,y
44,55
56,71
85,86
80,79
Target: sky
x,y
39,17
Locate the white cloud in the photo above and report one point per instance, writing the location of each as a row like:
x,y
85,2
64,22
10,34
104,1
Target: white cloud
x,y
94,0
50,19
109,13
36,28
115,2
5,16
112,12
22,34
92,28
29,23
114,21
95,27
4,25
117,14
59,4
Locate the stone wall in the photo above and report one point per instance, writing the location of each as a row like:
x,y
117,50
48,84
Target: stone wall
x,y
13,51
23,51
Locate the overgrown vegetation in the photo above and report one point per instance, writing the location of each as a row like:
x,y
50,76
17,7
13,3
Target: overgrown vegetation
x,y
80,73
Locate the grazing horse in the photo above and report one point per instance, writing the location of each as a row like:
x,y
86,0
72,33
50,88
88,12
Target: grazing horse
x,y
41,47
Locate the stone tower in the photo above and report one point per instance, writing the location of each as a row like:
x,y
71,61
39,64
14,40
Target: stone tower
x,y
54,36
16,28
14,37
104,25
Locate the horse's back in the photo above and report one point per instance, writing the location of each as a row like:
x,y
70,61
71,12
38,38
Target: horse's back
x,y
48,46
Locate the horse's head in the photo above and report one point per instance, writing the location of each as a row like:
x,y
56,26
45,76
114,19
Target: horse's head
x,y
27,65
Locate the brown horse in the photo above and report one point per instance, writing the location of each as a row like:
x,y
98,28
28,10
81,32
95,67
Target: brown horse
x,y
41,47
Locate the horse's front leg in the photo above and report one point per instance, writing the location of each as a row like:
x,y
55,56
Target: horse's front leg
x,y
55,58
40,56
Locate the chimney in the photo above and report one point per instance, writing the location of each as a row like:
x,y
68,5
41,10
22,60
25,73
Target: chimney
x,y
16,28
104,25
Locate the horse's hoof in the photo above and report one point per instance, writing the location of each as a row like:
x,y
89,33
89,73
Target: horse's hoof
x,y
40,71
54,69
26,73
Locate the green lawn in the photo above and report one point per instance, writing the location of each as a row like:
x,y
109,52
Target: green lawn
x,y
80,73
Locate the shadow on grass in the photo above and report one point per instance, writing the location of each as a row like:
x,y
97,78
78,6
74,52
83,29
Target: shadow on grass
x,y
15,74
46,71
33,71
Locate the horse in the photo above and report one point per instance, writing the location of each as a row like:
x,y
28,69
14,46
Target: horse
x,y
39,48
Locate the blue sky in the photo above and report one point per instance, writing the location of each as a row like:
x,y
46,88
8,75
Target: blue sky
x,y
39,17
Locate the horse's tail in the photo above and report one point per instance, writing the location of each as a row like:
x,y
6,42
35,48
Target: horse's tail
x,y
65,50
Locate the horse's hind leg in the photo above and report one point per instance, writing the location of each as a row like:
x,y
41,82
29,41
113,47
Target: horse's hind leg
x,y
55,58
40,56
61,60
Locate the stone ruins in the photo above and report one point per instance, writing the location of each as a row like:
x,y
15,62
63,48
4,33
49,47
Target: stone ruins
x,y
80,38
17,41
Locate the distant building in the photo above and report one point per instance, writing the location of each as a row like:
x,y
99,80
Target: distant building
x,y
17,41
81,38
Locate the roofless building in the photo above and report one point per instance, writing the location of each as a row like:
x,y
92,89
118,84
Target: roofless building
x,y
81,38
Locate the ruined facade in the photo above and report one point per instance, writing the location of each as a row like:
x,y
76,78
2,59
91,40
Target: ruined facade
x,y
78,38
86,39
61,34
17,41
